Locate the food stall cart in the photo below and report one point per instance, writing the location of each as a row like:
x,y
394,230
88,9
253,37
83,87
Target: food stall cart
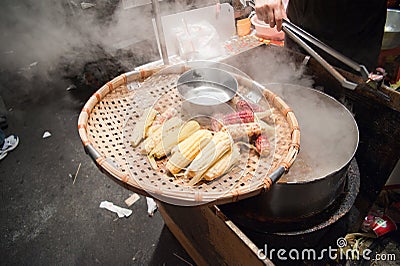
x,y
217,233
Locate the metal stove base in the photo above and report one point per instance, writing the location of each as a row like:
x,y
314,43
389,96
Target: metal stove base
x,y
318,231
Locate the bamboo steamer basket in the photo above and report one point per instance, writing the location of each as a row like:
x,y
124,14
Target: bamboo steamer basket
x,y
106,119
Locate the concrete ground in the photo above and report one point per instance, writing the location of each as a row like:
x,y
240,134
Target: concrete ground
x,y
46,218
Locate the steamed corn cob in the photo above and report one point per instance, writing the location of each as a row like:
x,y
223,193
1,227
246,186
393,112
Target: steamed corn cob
x,y
262,145
152,162
240,131
266,115
215,149
245,105
173,137
260,113
166,115
245,116
161,119
142,125
152,129
188,150
156,137
218,120
223,165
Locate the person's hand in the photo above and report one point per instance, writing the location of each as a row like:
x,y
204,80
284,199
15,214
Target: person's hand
x,y
271,12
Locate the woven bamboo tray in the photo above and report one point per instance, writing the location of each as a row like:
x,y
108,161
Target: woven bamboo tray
x,y
108,117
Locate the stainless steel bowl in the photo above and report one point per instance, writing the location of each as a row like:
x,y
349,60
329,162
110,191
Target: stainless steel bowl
x,y
206,91
391,37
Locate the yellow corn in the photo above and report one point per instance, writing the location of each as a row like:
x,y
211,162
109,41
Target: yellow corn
x,y
151,130
215,149
188,129
156,136
152,162
139,132
166,115
160,119
223,165
188,150
173,137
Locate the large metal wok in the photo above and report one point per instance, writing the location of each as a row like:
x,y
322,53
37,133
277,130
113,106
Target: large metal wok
x,y
329,142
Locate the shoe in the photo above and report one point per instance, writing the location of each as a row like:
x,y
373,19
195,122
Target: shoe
x,y
10,143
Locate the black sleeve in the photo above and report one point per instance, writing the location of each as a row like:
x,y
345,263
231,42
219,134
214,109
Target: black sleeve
x,y
352,27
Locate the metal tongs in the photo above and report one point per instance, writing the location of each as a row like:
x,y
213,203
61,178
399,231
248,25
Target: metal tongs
x,y
295,32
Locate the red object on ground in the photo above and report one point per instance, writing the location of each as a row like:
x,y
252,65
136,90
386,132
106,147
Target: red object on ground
x,y
379,223
383,225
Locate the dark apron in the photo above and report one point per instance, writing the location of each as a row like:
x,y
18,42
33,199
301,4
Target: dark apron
x,y
352,27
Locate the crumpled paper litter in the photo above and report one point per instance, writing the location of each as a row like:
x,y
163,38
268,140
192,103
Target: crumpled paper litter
x,y
151,206
121,212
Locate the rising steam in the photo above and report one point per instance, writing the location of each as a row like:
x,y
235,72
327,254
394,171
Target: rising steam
x,y
41,35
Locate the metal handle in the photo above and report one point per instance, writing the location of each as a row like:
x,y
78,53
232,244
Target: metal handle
x,y
277,174
160,31
295,32
273,178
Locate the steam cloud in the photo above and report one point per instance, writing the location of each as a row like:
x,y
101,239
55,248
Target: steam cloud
x,y
274,66
50,38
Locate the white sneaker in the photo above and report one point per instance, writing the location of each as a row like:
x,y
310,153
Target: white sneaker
x,y
10,143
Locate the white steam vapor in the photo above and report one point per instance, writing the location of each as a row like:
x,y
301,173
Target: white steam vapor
x,y
269,65
47,30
